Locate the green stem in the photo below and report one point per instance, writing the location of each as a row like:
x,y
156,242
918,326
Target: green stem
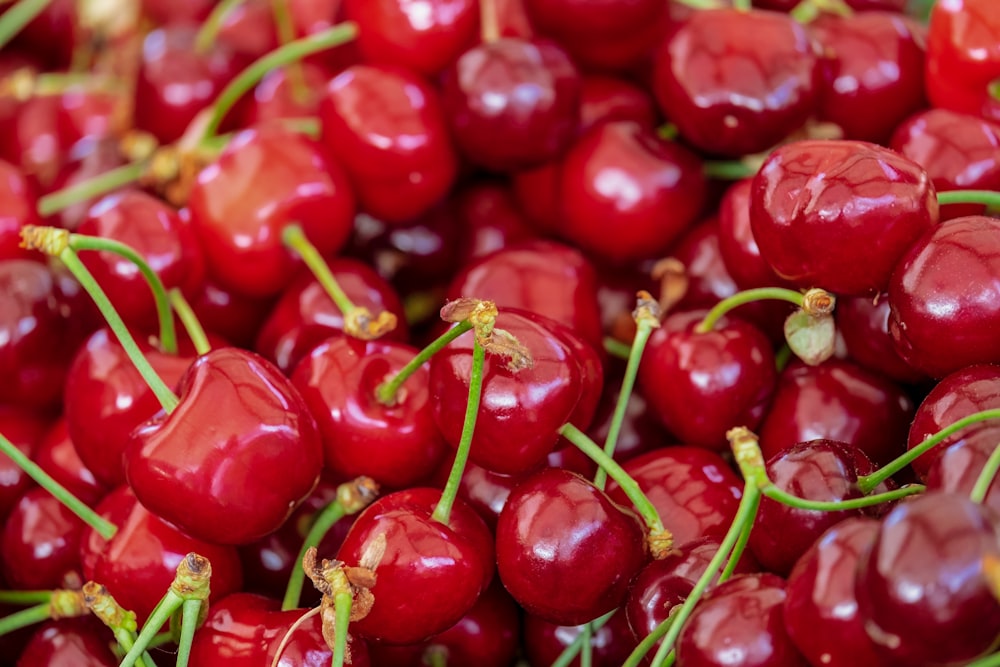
x,y
573,649
587,648
867,483
160,617
992,660
295,238
285,30
785,498
728,170
19,15
386,392
189,319
189,623
782,357
325,520
291,52
745,297
985,479
102,184
126,640
20,598
24,618
640,652
741,5
987,197
104,528
168,400
442,512
741,543
168,333
212,24
342,602
616,348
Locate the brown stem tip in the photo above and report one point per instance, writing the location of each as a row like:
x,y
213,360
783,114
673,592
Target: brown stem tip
x,y
49,240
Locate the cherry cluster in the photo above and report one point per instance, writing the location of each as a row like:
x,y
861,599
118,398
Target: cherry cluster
x,y
499,332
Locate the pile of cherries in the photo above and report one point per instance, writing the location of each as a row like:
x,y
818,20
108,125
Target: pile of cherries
x,y
499,332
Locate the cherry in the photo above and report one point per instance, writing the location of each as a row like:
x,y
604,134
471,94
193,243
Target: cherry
x,y
17,201
556,526
639,432
40,544
265,179
233,316
386,127
69,642
33,142
482,490
187,11
544,642
282,93
490,220
605,99
839,214
740,621
235,457
922,586
52,34
958,467
538,192
408,550
702,383
863,324
24,429
945,282
96,163
963,55
58,456
737,244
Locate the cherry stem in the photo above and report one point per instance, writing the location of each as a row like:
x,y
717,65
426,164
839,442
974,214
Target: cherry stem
x,y
867,483
387,390
782,357
168,333
24,618
587,648
213,24
442,512
628,485
985,479
616,348
19,15
741,5
992,660
121,621
643,648
489,21
55,242
104,528
291,52
21,598
988,198
728,170
343,600
352,497
435,656
647,318
669,132
190,321
94,187
286,34
573,649
742,298
785,498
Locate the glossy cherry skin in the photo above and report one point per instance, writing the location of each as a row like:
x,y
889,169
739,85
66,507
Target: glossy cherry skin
x,y
963,54
397,445
837,400
700,385
138,564
245,630
945,283
611,644
740,621
957,395
282,94
737,82
959,151
234,316
520,412
24,429
737,244
512,103
957,468
863,324
607,98
872,60
455,561
57,455
693,489
265,179
235,458
921,586
839,214
386,127
305,315
18,202
626,195
40,543
69,642
490,220
565,551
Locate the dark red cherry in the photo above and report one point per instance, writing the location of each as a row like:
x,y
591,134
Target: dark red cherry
x,y
837,400
483,490
626,195
607,99
266,179
234,316
32,140
249,30
17,203
957,467
544,642
565,551
737,82
740,621
234,459
454,561
385,125
694,490
53,34
701,384
863,324
737,244
639,432
945,283
24,428
538,193
490,220
138,564
40,543
922,586
57,455
397,445
512,103
839,214
69,642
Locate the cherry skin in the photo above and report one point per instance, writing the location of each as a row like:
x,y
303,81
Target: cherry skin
x,y
420,554
963,55
265,179
821,610
234,316
607,98
863,324
69,642
945,282
387,128
280,94
958,466
490,220
737,244
17,202
701,384
40,543
839,214
397,445
737,82
565,551
235,457
57,455
24,429
544,642
921,587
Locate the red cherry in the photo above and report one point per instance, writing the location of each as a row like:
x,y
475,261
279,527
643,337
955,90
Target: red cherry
x,y
280,94
235,317
40,544
24,429
606,99
490,220
17,203
69,642
737,244
863,324
958,467
963,54
544,642
57,455
235,458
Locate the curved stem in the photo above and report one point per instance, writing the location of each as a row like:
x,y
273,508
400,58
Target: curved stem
x,y
168,333
745,297
573,649
18,16
785,498
291,52
985,479
868,482
24,618
104,528
212,24
325,520
295,238
285,30
94,187
992,660
342,603
728,170
189,319
987,197
386,391
442,512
